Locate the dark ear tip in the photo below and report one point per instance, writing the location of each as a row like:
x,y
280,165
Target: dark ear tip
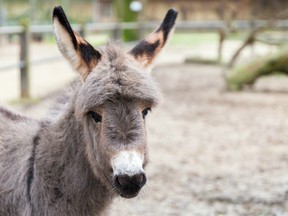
x,y
171,14
170,18
58,11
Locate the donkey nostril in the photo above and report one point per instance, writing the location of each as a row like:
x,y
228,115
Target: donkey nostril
x,y
136,180
122,180
139,179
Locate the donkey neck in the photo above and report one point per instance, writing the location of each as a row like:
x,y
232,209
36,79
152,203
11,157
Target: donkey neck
x,y
61,165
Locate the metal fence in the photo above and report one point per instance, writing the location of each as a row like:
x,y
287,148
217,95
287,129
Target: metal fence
x,y
24,33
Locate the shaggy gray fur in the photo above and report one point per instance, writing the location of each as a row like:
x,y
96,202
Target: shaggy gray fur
x,y
62,165
71,173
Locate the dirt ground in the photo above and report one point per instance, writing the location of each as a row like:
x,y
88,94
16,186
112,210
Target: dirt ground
x,y
213,152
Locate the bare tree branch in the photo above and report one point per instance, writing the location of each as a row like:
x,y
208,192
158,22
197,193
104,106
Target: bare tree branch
x,y
252,36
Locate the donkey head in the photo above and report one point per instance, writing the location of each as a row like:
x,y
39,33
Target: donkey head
x,y
115,96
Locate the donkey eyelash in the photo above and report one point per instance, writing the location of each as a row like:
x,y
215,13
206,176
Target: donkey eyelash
x,y
97,118
145,112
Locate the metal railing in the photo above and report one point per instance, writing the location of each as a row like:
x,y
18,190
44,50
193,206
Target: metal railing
x,y
25,33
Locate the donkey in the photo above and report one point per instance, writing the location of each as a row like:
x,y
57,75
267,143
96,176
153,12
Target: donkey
x,y
95,147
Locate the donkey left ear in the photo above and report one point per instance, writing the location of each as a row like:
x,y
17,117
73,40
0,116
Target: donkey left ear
x,y
146,50
78,51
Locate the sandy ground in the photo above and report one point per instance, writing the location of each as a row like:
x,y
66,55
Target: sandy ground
x,y
213,152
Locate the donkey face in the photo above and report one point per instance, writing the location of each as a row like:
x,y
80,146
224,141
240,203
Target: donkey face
x,y
116,94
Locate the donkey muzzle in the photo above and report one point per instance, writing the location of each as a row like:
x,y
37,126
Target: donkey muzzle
x,y
129,186
128,173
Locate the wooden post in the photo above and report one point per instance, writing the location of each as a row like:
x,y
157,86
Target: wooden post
x,y
220,47
82,30
24,62
116,34
141,20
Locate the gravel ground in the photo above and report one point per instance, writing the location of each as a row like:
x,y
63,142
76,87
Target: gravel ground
x,y
213,152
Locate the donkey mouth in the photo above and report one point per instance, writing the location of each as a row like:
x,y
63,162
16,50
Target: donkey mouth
x,y
129,195
129,191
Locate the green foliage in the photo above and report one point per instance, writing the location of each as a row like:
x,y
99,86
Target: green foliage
x,y
24,22
124,14
77,11
192,39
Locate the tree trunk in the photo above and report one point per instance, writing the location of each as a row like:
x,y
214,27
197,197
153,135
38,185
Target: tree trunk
x,y
248,73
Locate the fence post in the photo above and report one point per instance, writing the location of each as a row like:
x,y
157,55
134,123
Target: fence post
x,y
117,31
141,30
82,30
24,61
222,35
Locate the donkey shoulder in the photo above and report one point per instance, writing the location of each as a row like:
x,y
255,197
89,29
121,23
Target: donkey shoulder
x,y
16,145
15,127
10,115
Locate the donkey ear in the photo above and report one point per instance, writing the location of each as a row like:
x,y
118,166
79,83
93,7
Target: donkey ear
x,y
78,51
146,50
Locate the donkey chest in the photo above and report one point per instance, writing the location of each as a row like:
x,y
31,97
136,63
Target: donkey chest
x,y
61,204
62,200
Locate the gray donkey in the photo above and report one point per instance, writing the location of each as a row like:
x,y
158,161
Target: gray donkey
x,y
95,148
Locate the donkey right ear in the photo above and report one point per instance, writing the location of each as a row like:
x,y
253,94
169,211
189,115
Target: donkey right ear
x,y
147,50
78,51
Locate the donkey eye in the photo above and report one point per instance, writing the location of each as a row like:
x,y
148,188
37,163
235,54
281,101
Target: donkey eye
x,y
145,112
95,116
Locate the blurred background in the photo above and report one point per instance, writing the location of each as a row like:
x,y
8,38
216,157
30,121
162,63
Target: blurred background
x,y
218,143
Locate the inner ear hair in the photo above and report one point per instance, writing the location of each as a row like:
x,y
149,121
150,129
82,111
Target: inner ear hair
x,y
60,15
78,51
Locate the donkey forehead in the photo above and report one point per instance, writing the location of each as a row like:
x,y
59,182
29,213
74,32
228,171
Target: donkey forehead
x,y
117,74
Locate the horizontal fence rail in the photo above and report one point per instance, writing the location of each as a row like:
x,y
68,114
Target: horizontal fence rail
x,y
24,33
183,25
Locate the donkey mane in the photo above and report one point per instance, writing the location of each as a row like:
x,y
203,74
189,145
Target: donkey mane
x,y
11,115
92,147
